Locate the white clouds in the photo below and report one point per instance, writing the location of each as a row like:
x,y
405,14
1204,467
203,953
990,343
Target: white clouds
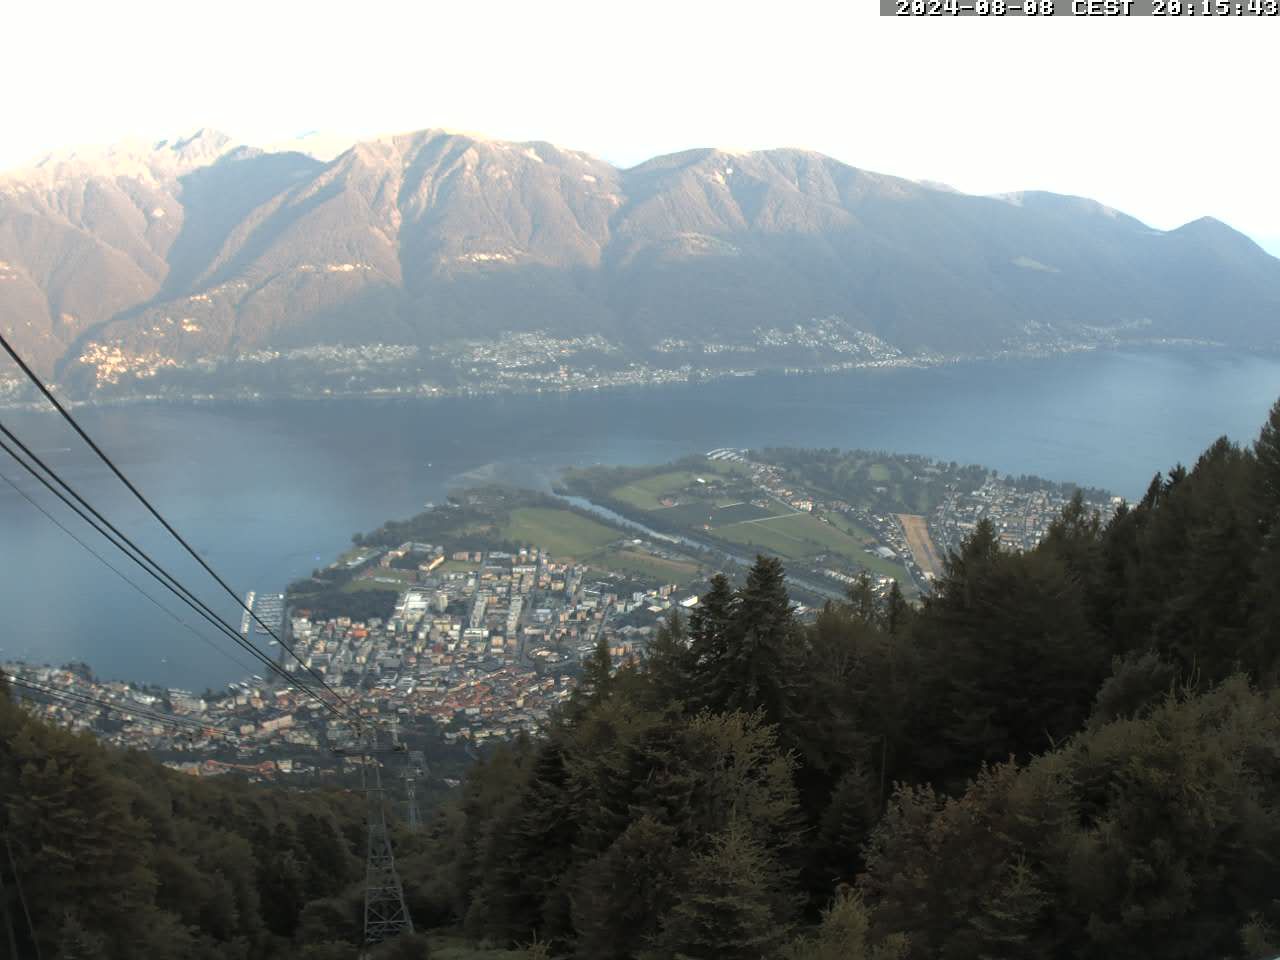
x,y
1168,120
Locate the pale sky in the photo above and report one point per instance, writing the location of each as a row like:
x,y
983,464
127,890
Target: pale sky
x,y
1168,120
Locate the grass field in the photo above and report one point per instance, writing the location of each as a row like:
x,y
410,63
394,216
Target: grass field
x,y
361,584
802,536
559,532
738,512
693,514
644,494
769,536
848,526
646,565
816,535
699,512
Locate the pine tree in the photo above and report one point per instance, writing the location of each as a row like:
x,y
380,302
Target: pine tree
x,y
862,600
846,823
845,934
759,665
1263,653
1267,452
726,909
669,663
624,893
709,627
526,887
597,674
896,613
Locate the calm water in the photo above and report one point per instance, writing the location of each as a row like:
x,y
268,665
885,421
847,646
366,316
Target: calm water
x,y
268,493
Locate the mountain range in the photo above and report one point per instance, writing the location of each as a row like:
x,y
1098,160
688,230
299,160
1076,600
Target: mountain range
x,y
150,257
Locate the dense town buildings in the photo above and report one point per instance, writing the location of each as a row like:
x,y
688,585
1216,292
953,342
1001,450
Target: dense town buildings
x,y
485,646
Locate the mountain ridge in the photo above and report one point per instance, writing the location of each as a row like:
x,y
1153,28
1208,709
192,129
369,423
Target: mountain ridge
x,y
199,250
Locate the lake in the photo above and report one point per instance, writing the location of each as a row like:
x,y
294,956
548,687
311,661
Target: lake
x,y
268,492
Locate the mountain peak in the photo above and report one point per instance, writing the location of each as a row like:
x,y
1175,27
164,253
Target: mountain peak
x,y
1212,233
202,147
170,251
132,158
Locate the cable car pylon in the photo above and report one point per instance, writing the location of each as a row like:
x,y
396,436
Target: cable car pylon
x,y
386,914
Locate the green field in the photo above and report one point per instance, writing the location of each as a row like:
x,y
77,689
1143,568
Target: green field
x,y
646,566
802,536
643,494
819,536
360,584
738,512
696,513
848,526
691,514
764,540
560,532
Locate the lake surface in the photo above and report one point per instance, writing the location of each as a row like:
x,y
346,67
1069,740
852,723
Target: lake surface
x,y
266,493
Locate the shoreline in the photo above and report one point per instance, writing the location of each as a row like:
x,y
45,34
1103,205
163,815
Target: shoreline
x,y
399,395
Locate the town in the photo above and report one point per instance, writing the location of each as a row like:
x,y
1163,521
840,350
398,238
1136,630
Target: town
x,y
484,644
514,362
484,647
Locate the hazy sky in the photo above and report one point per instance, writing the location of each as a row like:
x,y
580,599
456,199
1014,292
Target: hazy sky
x,y
1166,119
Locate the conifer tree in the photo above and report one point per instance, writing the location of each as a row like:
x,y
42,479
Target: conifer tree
x,y
1267,452
669,662
845,934
597,673
709,628
726,910
528,888
846,823
862,600
896,612
759,664
624,893
1263,651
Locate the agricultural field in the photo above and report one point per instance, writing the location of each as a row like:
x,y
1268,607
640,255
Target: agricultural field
x,y
697,513
646,566
644,494
562,533
798,536
803,536
741,511
859,533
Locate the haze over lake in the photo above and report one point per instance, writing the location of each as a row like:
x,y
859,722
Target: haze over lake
x,y
268,492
